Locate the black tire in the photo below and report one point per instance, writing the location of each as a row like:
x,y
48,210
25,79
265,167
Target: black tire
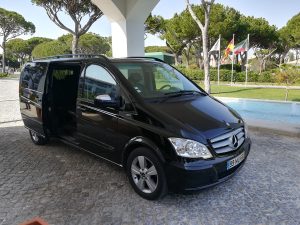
x,y
150,178
37,139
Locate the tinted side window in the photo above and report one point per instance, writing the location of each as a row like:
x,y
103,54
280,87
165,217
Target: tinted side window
x,y
33,76
98,81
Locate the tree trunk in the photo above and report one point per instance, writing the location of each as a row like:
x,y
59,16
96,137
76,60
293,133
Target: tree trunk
x,y
281,59
176,59
260,66
3,54
264,65
206,61
297,57
187,56
199,62
75,44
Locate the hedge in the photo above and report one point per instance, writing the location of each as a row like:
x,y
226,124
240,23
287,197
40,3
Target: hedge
x,y
3,74
225,75
236,67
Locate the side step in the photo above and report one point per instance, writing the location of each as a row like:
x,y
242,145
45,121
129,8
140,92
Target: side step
x,y
69,139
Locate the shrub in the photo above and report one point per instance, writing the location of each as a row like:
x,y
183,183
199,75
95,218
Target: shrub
x,y
266,76
3,74
288,76
236,67
270,76
225,75
193,74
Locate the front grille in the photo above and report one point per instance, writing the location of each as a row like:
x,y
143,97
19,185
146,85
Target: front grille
x,y
228,142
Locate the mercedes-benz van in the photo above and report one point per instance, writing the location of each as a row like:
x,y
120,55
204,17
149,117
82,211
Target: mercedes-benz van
x,y
138,113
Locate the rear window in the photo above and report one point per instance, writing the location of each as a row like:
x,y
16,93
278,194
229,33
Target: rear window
x,y
33,76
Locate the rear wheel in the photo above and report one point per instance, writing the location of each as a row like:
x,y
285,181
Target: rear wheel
x,y
146,174
37,139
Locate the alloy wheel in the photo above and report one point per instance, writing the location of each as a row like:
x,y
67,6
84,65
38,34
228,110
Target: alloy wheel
x,y
34,136
144,174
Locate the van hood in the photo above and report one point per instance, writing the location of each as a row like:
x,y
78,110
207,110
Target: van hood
x,y
202,115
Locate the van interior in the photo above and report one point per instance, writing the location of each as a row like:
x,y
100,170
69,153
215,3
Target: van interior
x,y
63,96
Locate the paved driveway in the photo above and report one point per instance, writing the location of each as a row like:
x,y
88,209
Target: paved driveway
x,y
66,186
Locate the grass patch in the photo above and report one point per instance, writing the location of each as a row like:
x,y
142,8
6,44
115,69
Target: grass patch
x,y
242,92
255,93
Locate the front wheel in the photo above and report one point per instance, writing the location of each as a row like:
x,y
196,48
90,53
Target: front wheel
x,y
146,174
37,139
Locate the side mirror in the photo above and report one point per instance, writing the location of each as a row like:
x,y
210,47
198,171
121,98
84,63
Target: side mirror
x,y
105,101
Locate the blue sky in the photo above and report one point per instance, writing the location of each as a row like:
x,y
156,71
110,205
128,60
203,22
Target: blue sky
x,y
277,12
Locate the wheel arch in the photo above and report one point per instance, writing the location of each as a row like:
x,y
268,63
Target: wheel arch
x,y
137,142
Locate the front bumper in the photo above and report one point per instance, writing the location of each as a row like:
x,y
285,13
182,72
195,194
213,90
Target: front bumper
x,y
187,176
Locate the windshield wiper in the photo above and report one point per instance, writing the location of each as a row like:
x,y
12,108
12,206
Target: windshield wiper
x,y
184,92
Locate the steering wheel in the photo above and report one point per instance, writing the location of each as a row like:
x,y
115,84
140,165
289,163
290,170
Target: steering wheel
x,y
166,85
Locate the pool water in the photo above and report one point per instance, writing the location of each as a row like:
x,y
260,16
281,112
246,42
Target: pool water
x,y
286,112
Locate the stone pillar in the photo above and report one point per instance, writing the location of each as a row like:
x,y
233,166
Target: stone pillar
x,y
127,19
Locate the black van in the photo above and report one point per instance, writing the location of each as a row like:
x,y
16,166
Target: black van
x,y
138,113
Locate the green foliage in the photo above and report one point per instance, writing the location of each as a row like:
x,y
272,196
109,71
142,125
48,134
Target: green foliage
x,y
180,30
293,28
288,75
18,48
224,21
89,43
285,41
158,49
78,8
262,34
82,12
270,76
50,48
193,74
93,44
66,38
3,75
13,25
236,67
155,24
32,42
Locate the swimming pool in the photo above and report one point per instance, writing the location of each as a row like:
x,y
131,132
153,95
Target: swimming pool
x,y
286,112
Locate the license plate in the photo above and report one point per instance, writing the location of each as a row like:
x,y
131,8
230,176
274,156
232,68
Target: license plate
x,y
235,161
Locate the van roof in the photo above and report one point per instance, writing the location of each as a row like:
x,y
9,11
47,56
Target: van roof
x,y
84,57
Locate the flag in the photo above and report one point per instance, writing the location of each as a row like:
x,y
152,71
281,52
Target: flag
x,y
241,47
229,48
216,46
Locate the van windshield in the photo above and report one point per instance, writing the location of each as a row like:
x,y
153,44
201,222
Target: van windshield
x,y
156,80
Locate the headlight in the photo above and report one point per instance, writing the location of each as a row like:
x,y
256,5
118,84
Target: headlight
x,y
189,148
246,130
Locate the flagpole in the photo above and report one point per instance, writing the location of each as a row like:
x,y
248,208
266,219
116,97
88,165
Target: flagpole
x,y
247,60
232,62
219,60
